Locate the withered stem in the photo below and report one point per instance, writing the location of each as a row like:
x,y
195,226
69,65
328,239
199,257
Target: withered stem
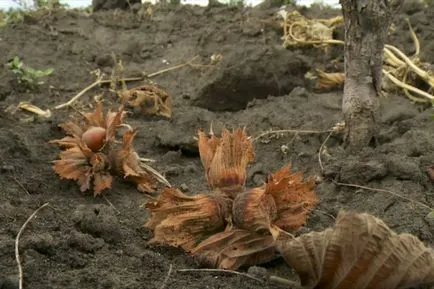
x,y
320,150
386,191
222,271
17,243
167,277
290,131
123,80
285,282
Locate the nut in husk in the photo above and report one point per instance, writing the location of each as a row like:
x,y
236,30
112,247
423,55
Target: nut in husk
x,y
184,221
225,160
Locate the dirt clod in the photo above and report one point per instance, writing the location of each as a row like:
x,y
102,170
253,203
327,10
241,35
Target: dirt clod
x,y
99,221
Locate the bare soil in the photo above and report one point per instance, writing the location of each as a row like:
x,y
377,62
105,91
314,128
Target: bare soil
x,y
83,242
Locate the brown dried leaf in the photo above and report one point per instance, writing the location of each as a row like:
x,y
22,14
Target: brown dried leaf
x,y
359,252
184,221
225,160
235,248
150,99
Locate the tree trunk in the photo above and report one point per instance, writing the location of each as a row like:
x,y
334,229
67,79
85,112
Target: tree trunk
x,y
366,25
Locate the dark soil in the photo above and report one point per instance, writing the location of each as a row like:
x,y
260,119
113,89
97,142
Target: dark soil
x,y
82,242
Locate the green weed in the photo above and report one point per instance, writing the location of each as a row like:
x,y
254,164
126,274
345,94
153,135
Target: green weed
x,y
26,75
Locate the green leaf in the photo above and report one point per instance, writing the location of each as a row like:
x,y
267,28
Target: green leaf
x,y
430,215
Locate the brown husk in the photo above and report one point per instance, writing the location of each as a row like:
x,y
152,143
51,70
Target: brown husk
x,y
225,160
78,162
184,221
234,248
149,99
232,226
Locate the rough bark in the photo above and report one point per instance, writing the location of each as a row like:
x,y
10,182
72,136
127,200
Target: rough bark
x,y
366,26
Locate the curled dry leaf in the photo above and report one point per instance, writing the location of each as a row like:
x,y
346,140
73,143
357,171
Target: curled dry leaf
x,y
225,160
282,204
234,248
149,99
184,221
92,153
359,252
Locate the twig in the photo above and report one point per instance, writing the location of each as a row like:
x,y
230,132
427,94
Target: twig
x,y
17,242
154,172
415,39
222,271
96,83
325,213
147,160
320,151
122,80
290,131
385,191
167,277
423,74
403,85
111,205
21,186
283,281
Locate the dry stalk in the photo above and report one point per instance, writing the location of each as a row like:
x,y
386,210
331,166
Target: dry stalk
x,y
155,173
167,277
101,81
388,192
273,279
276,132
399,64
222,271
321,148
17,243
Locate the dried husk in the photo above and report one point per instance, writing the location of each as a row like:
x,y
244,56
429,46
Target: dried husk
x,y
149,100
294,197
184,221
282,204
359,252
235,248
255,210
78,162
225,160
127,164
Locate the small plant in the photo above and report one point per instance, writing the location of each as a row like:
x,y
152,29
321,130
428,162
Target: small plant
x,y
26,75
10,17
